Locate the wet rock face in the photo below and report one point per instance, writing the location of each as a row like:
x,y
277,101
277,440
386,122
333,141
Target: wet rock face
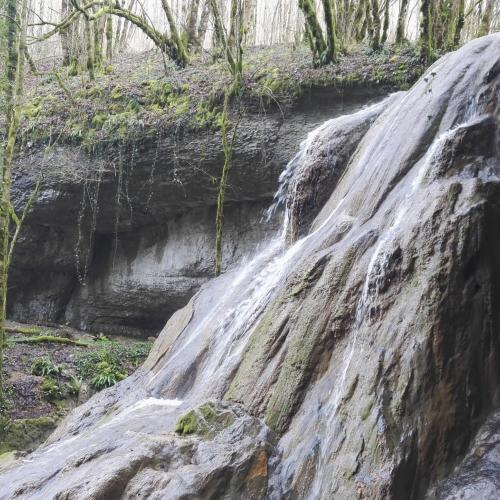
x,y
230,460
368,350
326,156
119,240
478,476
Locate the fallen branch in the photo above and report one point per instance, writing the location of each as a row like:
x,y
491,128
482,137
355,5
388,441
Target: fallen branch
x,y
24,330
50,339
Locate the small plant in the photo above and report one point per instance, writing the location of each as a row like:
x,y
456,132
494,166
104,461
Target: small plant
x,y
44,367
102,338
73,387
107,376
187,424
114,354
51,389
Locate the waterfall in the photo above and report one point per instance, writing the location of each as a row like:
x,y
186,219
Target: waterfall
x,y
201,361
365,346
217,341
375,274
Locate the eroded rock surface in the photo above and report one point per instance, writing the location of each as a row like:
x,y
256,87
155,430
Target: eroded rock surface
x,y
369,348
478,476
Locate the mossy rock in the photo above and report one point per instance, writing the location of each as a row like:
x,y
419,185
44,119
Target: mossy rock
x,y
187,424
25,434
206,420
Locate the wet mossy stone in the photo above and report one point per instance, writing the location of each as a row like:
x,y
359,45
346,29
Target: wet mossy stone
x,y
25,434
206,420
187,424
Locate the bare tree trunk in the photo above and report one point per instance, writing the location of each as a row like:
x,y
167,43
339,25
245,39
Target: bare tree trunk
x,y
401,25
203,26
250,22
119,27
126,28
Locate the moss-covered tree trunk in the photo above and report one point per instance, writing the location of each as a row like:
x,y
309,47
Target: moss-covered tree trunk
x,y
233,23
109,38
459,23
359,23
401,24
181,55
90,49
369,20
425,31
65,36
98,25
13,90
385,29
313,29
232,45
228,142
375,40
484,27
331,35
443,24
190,35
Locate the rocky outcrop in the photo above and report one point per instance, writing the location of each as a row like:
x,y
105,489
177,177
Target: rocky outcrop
x,y
367,352
478,475
120,238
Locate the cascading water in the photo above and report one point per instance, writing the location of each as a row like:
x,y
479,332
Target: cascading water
x,y
375,274
219,339
363,346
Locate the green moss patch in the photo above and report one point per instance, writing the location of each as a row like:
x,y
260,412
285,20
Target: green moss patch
x,y
206,420
25,434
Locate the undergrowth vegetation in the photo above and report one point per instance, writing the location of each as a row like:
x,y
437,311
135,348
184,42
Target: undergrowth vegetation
x,y
46,380
110,363
133,102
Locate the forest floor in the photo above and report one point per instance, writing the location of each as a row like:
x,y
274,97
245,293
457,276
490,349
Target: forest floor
x,y
139,94
45,379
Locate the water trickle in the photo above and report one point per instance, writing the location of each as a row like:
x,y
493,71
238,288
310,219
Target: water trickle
x,y
285,179
375,275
